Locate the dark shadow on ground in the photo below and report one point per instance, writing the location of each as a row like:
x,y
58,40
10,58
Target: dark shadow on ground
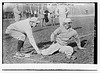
x,y
83,42
45,45
42,44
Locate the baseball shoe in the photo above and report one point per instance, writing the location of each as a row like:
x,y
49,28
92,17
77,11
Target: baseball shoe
x,y
19,55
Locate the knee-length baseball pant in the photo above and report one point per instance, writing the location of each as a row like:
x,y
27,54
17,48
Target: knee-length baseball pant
x,y
16,34
68,50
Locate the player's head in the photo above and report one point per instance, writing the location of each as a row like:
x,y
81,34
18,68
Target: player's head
x,y
67,23
34,21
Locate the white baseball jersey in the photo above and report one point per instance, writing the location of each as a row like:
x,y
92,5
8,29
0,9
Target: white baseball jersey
x,y
22,26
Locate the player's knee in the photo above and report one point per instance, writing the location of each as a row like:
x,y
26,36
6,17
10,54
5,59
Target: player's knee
x,y
44,52
67,50
22,38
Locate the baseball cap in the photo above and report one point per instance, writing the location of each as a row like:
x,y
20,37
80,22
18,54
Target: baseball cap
x,y
67,20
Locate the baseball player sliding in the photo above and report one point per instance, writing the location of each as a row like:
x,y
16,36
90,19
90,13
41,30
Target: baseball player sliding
x,y
60,37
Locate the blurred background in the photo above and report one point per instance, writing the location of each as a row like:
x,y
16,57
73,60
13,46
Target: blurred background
x,y
30,8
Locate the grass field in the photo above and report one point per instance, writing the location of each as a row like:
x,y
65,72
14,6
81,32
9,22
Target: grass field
x,y
42,38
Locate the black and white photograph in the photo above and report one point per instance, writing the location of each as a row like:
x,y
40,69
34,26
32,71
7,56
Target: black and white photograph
x,y
49,33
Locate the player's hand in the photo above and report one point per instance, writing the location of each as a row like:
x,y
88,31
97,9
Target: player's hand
x,y
52,40
38,52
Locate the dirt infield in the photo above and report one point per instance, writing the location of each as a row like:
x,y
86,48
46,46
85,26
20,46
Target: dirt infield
x,y
42,38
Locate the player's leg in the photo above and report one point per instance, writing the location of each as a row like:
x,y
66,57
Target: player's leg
x,y
68,50
21,38
42,22
53,48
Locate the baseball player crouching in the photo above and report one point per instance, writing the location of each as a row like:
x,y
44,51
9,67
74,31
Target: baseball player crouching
x,y
22,29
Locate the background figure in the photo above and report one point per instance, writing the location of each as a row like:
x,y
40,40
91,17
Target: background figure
x,y
49,18
53,18
86,11
17,13
45,19
35,13
41,15
27,13
62,11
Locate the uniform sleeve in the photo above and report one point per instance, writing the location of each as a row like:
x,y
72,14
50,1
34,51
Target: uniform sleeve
x,y
77,40
54,34
31,39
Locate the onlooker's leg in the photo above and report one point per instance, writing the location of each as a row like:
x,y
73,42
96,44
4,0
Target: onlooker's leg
x,y
61,19
53,20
